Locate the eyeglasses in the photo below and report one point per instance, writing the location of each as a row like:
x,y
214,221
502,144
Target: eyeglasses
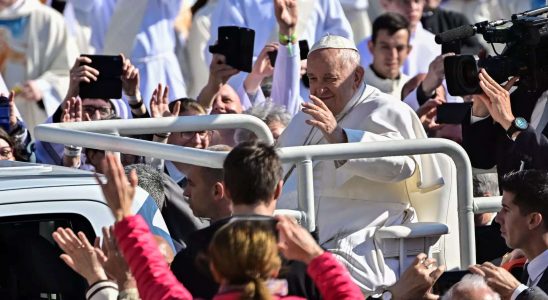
x,y
190,134
6,152
103,110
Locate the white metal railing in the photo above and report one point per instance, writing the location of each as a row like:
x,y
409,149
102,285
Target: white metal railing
x,y
302,156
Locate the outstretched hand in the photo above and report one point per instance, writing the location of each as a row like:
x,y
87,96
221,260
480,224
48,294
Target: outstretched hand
x,y
496,99
159,103
323,119
296,243
80,255
287,15
417,281
118,191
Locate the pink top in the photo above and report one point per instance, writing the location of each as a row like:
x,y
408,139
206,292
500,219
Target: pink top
x,y
155,280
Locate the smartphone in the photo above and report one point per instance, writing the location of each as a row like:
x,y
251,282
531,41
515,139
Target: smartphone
x,y
303,46
109,81
303,52
453,113
5,113
236,44
447,280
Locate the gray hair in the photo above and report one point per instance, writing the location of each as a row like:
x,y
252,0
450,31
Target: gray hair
x,y
469,283
150,180
486,184
268,112
349,58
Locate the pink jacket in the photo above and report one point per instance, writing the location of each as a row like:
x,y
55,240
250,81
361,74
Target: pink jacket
x,y
156,282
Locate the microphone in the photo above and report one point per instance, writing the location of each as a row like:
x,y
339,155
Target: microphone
x,y
455,34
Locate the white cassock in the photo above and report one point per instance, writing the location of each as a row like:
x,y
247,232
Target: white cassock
x,y
392,87
141,29
34,45
316,19
423,52
353,200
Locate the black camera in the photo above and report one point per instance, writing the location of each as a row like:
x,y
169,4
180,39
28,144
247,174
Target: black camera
x,y
236,44
526,39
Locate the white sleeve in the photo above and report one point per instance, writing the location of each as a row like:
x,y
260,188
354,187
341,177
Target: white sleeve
x,y
286,81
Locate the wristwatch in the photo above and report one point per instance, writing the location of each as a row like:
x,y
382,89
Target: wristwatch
x,y
519,124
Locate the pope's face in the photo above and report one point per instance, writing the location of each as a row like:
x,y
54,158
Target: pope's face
x,y
333,79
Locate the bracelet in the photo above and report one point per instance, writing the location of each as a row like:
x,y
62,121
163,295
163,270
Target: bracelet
x,y
163,135
72,151
136,105
287,39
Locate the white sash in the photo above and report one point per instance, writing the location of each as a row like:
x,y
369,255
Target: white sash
x,y
124,26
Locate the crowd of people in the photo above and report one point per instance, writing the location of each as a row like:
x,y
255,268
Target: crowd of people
x,y
373,73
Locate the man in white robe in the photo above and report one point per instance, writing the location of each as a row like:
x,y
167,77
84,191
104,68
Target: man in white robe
x,y
35,56
142,30
354,198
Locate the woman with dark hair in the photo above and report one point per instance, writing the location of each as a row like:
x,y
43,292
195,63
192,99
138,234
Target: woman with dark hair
x,y
9,149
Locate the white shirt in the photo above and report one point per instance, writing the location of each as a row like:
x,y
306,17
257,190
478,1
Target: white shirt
x,y
390,86
424,51
173,172
535,269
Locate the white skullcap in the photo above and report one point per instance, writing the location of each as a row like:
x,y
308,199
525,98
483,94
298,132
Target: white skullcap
x,y
333,42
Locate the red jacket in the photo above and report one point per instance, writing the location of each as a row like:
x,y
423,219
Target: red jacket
x,y
155,280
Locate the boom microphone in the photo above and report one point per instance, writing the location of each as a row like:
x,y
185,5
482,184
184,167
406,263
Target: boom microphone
x,y
458,33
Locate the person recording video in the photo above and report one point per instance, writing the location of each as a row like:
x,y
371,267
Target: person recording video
x,y
506,129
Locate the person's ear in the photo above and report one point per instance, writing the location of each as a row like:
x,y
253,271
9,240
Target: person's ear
x,y
216,276
218,191
535,220
278,191
359,73
370,46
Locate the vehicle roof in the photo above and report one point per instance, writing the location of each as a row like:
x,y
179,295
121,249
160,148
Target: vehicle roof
x,y
19,175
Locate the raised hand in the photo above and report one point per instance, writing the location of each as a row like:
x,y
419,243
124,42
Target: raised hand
x,y
296,243
80,255
115,265
287,15
435,75
72,110
159,103
496,99
323,119
130,77
80,73
219,71
118,191
262,68
11,103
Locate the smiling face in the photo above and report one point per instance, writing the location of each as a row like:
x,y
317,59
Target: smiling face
x,y
389,52
226,101
514,226
333,78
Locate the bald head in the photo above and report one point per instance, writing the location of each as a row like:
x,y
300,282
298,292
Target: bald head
x,y
227,101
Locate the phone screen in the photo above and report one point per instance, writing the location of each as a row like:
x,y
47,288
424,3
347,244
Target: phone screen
x,y
447,280
453,113
109,81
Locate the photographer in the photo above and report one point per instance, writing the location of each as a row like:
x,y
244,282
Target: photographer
x,y
513,127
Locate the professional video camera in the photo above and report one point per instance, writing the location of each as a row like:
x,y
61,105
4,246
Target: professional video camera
x,y
525,54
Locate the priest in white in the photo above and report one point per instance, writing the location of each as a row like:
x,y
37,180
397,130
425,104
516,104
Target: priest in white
x,y
142,30
35,57
354,198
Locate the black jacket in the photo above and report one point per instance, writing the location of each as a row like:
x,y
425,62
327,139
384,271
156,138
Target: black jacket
x,y
535,293
488,145
191,268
